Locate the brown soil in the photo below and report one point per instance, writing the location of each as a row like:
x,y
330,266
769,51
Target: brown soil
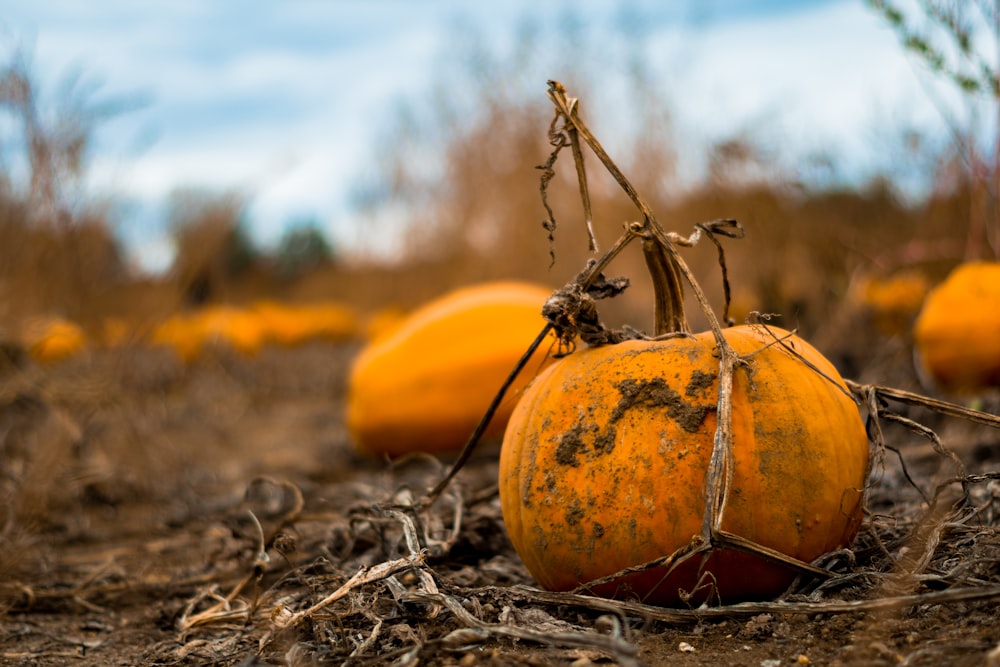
x,y
137,494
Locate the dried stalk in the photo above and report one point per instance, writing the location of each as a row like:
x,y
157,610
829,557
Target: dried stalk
x,y
568,109
283,619
746,609
933,404
581,177
476,631
557,139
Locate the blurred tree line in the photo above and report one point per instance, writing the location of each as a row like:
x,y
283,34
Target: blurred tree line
x,y
59,251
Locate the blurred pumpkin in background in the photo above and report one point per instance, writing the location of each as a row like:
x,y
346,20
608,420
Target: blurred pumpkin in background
x,y
957,333
52,339
239,329
190,334
332,322
281,324
384,322
892,302
424,386
288,325
179,334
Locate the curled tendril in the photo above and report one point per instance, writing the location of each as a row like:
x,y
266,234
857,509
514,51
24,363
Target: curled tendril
x,y
572,312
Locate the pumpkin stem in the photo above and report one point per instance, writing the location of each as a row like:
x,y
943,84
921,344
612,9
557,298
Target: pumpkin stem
x,y
668,290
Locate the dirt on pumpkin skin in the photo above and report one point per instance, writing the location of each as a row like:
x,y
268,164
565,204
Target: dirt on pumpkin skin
x,y
655,393
138,495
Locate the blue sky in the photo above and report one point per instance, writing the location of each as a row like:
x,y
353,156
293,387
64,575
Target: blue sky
x,y
284,100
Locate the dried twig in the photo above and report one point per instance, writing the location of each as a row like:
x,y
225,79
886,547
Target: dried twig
x,y
581,173
933,404
558,140
284,619
745,609
475,631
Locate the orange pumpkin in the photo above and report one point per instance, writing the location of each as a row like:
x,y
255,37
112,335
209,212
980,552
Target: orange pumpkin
x,y
331,321
230,326
604,465
53,339
289,325
384,322
957,334
189,334
424,386
180,334
892,302
282,324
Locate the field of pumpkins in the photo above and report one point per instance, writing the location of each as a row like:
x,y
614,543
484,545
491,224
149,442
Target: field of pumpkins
x,y
503,475
189,334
